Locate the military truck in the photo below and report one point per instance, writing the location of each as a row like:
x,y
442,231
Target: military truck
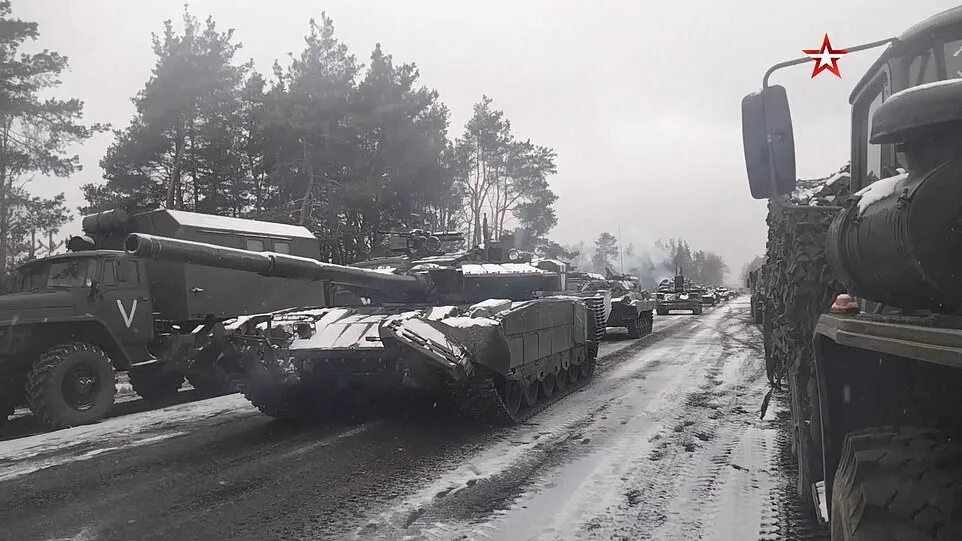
x,y
75,318
676,294
878,424
493,332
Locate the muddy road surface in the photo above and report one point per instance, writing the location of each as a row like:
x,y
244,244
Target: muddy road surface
x,y
665,443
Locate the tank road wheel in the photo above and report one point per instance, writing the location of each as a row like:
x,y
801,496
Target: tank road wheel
x,y
897,483
636,328
154,383
547,385
561,380
71,384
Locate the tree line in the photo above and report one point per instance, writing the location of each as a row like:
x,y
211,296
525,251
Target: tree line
x,y
651,266
349,149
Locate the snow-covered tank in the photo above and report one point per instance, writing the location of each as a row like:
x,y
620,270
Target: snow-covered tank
x,y
487,326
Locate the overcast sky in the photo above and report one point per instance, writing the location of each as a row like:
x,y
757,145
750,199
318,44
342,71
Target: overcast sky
x,y
641,99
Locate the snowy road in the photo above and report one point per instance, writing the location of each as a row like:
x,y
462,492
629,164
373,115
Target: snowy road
x,y
665,443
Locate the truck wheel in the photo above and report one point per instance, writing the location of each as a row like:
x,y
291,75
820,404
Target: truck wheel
x,y
155,383
635,328
71,384
897,483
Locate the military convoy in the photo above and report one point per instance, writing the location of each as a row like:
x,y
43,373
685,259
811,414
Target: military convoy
x,y
497,334
622,300
677,294
874,379
75,318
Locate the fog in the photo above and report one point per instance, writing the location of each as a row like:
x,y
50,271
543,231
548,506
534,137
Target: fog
x,y
639,99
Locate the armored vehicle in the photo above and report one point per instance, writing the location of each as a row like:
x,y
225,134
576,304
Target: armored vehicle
x,y
75,318
631,306
476,325
676,295
875,404
708,296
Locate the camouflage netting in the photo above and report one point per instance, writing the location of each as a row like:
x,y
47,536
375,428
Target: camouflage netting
x,y
799,287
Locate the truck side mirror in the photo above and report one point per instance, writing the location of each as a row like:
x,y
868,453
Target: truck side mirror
x,y
769,142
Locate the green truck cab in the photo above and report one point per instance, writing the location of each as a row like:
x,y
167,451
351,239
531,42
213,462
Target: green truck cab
x,y
76,318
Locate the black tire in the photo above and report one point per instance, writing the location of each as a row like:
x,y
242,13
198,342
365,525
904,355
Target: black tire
x,y
71,384
635,328
154,383
898,483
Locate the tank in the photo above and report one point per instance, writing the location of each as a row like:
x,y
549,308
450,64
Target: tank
x,y
491,329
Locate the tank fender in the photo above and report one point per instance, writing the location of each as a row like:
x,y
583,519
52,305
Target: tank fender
x,y
439,344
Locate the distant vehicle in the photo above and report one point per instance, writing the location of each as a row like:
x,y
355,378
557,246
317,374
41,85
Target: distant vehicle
x,y
676,295
709,297
631,306
76,318
724,293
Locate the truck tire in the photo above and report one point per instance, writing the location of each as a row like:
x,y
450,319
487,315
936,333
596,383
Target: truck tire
x,y
154,383
898,483
71,384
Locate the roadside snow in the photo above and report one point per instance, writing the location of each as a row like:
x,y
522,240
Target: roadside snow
x,y
877,191
26,455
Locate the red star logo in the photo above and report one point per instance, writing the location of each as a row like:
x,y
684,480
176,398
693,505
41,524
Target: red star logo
x,y
826,58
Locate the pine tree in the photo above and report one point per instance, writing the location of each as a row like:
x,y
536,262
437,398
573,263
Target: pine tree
x,y
183,148
35,134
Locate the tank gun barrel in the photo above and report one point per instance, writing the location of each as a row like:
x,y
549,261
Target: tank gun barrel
x,y
269,264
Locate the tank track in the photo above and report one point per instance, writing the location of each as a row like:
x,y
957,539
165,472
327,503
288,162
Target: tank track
x,y
481,401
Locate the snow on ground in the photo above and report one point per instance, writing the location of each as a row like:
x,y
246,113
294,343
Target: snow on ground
x,y
659,446
25,455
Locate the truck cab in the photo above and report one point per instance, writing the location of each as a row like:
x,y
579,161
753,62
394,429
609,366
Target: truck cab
x,y
876,410
79,293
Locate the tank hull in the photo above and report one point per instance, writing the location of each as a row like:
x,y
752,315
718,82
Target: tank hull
x,y
463,351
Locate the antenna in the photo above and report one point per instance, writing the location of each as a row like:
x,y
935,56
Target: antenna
x,y
621,246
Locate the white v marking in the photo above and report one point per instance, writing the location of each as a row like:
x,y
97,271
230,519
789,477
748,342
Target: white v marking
x,y
128,319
